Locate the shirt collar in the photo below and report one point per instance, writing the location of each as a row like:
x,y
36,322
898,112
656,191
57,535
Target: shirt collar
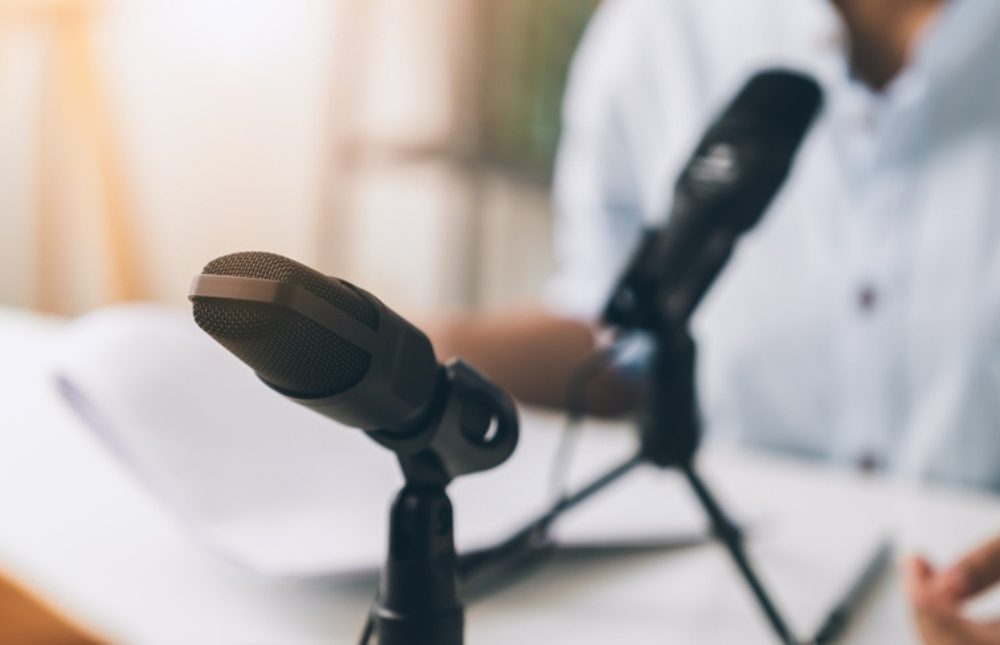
x,y
956,38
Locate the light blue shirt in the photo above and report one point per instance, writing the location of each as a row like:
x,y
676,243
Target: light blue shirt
x,y
861,318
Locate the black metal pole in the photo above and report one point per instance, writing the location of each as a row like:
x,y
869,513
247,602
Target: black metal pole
x,y
418,597
671,433
535,534
732,538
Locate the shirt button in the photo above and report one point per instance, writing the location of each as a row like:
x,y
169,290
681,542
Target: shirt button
x,y
869,463
867,120
867,298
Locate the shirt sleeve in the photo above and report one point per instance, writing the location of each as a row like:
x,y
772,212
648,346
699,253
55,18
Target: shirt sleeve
x,y
597,199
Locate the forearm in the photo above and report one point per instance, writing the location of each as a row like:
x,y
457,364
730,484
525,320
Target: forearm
x,y
530,353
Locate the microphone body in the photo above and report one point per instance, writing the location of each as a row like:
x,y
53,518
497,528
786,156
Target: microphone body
x,y
737,168
338,350
391,392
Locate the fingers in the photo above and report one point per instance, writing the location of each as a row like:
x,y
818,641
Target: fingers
x,y
928,589
917,575
917,569
976,571
937,597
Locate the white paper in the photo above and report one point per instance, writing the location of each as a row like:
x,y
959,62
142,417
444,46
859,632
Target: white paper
x,y
283,491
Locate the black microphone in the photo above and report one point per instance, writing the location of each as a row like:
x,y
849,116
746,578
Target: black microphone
x,y
321,341
335,348
737,168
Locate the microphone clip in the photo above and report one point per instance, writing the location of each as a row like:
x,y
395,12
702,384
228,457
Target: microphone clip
x,y
472,427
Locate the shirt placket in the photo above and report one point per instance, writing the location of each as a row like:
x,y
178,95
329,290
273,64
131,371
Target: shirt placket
x,y
872,300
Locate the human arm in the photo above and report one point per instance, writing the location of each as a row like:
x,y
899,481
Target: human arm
x,y
531,353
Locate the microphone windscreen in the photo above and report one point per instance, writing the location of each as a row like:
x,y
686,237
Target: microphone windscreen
x,y
287,350
779,100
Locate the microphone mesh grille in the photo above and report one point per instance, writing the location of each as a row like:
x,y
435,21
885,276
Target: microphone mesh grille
x,y
268,266
286,349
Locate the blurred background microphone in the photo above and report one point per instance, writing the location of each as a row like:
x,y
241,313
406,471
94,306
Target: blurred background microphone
x,y
738,167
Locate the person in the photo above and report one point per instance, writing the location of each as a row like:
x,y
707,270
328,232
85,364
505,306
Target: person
x,y
859,322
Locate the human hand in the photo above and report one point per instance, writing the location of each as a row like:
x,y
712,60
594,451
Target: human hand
x,y
938,596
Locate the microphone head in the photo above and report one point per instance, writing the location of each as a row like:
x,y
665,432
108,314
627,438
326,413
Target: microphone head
x,y
778,100
324,342
737,168
289,351
744,157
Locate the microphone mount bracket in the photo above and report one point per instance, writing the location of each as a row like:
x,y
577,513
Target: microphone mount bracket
x,y
473,426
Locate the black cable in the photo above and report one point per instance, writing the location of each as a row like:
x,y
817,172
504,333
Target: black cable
x,y
595,362
369,628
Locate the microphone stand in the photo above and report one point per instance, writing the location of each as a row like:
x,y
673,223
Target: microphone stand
x,y
473,426
418,599
669,428
670,431
723,191
669,434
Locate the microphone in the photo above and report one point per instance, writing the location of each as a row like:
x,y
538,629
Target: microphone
x,y
335,348
318,340
737,168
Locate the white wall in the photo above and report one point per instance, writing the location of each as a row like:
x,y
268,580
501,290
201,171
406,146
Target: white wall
x,y
220,109
20,59
230,117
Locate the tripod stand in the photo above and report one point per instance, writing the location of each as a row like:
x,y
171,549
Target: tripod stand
x,y
669,437
737,168
670,433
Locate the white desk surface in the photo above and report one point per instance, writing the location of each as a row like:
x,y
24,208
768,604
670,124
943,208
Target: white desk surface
x,y
76,527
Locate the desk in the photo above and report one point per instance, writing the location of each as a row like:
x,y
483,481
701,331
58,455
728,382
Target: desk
x,y
77,528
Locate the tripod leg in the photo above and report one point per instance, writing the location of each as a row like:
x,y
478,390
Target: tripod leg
x,y
535,535
731,536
